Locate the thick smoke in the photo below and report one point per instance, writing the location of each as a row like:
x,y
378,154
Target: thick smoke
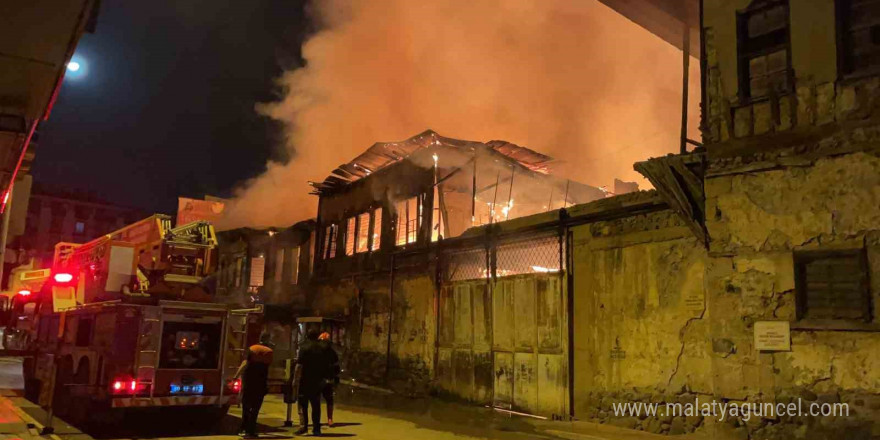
x,y
571,79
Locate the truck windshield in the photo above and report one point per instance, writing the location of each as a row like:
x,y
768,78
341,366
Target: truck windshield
x,y
190,345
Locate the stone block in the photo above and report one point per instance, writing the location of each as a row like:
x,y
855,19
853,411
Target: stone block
x,y
694,421
654,426
825,95
677,427
846,100
806,111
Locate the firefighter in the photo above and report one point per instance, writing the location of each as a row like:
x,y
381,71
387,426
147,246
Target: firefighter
x,y
332,380
313,369
254,373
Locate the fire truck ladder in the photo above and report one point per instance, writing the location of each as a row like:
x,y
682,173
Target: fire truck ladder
x,y
237,338
148,348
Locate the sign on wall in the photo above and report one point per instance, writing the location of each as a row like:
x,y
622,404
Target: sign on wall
x,y
772,336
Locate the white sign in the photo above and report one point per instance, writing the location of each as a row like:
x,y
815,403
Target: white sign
x,y
258,271
772,336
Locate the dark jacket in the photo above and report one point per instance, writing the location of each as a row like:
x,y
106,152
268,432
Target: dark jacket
x,y
315,367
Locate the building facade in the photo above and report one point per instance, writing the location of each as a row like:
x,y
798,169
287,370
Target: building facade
x,y
270,268
55,216
748,276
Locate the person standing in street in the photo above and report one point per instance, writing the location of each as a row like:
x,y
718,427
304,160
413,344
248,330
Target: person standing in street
x,y
254,374
332,380
313,366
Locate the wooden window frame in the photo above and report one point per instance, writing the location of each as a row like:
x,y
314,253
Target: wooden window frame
x,y
743,55
330,240
410,236
844,70
362,243
801,259
350,235
375,229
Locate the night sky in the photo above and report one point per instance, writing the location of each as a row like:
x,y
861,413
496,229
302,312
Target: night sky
x,y
164,102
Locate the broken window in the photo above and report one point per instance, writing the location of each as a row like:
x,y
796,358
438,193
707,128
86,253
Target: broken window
x,y
349,235
330,242
437,229
279,265
377,230
294,265
408,220
764,65
832,285
858,27
363,233
239,266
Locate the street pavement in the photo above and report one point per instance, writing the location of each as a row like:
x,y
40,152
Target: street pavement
x,y
361,414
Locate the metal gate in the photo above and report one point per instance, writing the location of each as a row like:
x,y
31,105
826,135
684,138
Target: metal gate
x,y
501,340
530,365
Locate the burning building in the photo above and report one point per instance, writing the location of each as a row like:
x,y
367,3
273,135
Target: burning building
x,y
404,195
749,275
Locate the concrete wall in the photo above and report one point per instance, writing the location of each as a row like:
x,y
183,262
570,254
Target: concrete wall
x,y
639,318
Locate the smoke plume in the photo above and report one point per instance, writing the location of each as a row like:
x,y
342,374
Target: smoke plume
x,y
574,80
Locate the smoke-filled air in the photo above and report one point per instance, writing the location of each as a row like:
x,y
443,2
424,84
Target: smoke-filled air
x,y
571,79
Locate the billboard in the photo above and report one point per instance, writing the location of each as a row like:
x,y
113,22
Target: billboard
x,y
190,210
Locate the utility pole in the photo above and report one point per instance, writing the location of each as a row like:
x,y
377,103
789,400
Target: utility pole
x,y
7,213
685,65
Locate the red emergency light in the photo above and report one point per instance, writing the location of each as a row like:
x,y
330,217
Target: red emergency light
x,y
124,386
63,277
24,292
235,386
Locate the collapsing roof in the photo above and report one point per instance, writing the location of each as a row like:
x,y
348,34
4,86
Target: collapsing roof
x,y
382,154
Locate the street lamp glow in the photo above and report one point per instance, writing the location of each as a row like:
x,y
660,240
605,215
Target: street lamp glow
x,y
73,66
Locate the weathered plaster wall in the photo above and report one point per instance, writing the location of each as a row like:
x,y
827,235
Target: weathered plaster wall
x,y
413,333
639,318
365,303
756,221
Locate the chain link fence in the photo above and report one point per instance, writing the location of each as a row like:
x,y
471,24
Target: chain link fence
x,y
507,256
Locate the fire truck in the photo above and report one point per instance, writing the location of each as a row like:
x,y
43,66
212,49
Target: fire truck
x,y
126,321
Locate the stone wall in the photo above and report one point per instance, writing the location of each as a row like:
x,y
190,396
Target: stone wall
x,y
795,172
757,219
639,319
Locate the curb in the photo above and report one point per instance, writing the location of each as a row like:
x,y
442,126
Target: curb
x,y
31,422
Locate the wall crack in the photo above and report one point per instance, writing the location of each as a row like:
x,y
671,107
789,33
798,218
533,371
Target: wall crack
x,y
681,335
